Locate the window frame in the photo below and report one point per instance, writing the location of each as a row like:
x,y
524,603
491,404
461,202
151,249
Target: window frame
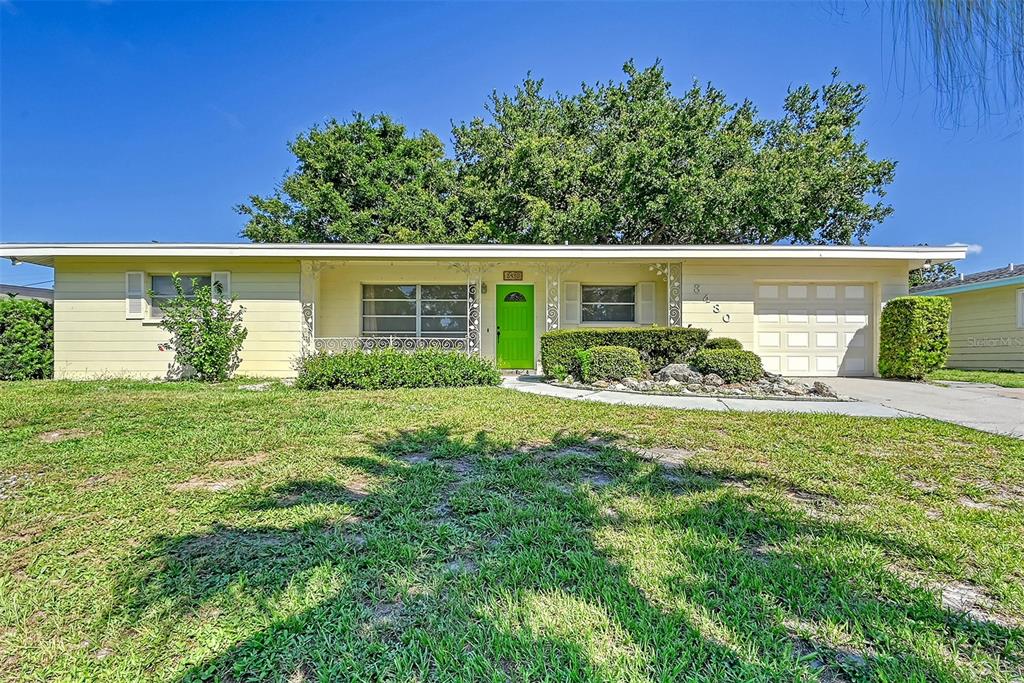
x,y
611,323
418,315
150,292
1020,308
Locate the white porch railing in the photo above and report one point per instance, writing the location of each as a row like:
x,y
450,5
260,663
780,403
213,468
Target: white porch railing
x,y
340,344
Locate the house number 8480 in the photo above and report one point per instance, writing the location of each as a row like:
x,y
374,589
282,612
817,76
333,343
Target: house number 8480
x,y
715,308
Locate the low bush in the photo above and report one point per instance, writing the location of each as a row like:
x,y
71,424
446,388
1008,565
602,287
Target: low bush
x,y
206,332
611,363
390,369
914,336
723,343
657,346
732,365
26,339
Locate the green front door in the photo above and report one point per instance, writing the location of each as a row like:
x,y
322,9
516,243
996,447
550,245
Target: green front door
x,y
515,326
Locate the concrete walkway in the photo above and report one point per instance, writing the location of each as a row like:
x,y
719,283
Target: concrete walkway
x,y
980,406
532,384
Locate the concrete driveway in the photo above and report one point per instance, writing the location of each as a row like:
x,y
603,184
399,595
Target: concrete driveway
x,y
979,406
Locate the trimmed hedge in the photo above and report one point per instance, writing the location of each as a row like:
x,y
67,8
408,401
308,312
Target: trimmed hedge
x,y
390,369
723,343
732,365
914,336
611,363
26,339
658,346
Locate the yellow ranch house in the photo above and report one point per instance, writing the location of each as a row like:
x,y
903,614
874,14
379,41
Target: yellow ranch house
x,y
806,310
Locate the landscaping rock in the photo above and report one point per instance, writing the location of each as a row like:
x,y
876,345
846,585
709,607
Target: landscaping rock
x,y
796,389
632,384
822,389
600,384
680,372
713,380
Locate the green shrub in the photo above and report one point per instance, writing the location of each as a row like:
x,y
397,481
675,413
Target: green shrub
x,y
732,365
26,339
723,343
658,346
612,363
914,336
391,369
206,332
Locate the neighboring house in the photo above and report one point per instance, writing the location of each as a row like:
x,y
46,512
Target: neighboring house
x,y
38,293
986,329
806,310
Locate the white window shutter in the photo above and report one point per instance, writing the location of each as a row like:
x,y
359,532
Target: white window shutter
x,y
645,303
224,278
134,295
571,303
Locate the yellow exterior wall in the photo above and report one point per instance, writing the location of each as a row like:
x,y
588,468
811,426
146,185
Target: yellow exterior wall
x,y
339,295
983,332
731,284
92,337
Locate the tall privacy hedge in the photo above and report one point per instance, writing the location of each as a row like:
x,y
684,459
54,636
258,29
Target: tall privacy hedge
x,y
658,346
26,339
914,336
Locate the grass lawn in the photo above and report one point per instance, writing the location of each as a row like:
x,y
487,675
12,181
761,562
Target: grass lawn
x,y
1013,380
176,532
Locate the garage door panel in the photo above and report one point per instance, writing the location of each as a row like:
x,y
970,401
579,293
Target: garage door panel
x,y
814,328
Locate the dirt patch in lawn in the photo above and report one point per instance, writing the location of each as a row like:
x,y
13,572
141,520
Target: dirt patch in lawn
x,y
201,483
248,461
358,486
670,458
814,504
460,466
597,479
416,458
58,435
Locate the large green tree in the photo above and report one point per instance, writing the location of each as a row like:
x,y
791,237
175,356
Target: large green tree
x,y
361,181
621,162
631,163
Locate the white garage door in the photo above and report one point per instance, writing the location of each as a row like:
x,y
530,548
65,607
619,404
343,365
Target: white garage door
x,y
814,329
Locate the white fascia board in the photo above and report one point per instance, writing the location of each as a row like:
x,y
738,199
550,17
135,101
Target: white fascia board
x,y
45,254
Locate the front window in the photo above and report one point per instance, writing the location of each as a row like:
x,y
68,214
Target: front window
x,y
163,290
609,303
415,311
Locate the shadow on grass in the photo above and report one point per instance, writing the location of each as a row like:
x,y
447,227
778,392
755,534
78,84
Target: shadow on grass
x,y
574,560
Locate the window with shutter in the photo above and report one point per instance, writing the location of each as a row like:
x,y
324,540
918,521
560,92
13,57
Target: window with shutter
x,y
571,303
223,278
645,303
134,295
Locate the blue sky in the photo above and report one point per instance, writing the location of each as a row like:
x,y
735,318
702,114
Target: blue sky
x,y
138,121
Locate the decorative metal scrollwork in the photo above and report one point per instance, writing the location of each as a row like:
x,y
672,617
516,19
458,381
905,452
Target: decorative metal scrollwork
x,y
308,333
342,344
672,273
473,317
552,287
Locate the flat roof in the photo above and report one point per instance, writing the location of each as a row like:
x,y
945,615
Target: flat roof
x,y
45,253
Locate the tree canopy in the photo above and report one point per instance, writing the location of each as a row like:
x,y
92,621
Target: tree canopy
x,y
361,181
616,163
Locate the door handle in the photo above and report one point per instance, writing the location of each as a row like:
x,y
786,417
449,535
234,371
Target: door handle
x,y
497,333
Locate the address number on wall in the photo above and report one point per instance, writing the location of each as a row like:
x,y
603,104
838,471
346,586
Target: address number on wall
x,y
512,276
715,308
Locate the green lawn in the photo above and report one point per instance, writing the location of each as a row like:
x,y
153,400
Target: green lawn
x,y
180,532
1013,380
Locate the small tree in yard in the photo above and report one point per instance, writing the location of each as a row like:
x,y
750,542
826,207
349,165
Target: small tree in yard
x,y
206,331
